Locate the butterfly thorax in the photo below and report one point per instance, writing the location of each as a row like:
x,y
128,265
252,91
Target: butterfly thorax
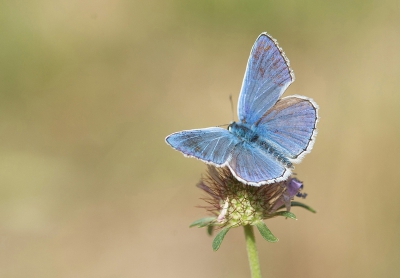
x,y
247,134
243,131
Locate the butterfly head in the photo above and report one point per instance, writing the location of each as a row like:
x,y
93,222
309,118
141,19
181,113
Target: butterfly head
x,y
232,126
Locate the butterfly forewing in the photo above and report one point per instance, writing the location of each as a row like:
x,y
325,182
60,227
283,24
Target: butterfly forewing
x,y
212,145
267,77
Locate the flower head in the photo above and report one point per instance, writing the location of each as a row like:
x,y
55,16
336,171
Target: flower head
x,y
236,204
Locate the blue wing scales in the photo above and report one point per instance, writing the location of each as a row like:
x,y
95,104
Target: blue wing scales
x,y
267,77
288,124
212,145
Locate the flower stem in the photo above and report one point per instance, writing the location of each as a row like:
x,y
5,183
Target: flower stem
x,y
252,252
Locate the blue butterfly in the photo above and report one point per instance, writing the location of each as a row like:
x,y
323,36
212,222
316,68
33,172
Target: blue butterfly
x,y
271,133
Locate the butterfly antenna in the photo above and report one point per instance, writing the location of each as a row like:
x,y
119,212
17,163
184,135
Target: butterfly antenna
x,y
233,115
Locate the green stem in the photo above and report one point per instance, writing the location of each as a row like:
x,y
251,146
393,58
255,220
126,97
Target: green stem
x,y
252,252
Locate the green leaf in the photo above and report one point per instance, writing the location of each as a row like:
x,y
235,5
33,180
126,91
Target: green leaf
x,y
265,232
286,214
298,204
202,222
219,238
210,230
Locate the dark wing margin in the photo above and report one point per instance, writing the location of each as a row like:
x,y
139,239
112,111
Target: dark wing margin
x,y
212,145
266,78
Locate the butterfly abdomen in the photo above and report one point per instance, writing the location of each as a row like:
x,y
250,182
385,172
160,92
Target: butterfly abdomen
x,y
246,134
275,153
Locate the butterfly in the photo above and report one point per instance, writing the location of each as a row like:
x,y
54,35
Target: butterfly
x,y
271,133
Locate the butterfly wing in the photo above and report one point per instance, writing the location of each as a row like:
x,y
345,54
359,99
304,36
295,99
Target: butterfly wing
x,y
290,126
267,77
253,166
212,145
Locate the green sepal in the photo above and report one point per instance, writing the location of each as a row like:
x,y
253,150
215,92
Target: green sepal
x,y
202,222
298,204
210,230
286,214
219,238
265,232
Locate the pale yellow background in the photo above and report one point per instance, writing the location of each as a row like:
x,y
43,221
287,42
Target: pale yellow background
x,y
90,89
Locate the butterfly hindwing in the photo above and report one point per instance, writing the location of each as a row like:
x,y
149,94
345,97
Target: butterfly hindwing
x,y
291,126
212,145
253,166
267,77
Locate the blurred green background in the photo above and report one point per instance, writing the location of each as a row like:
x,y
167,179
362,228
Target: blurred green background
x,y
90,89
